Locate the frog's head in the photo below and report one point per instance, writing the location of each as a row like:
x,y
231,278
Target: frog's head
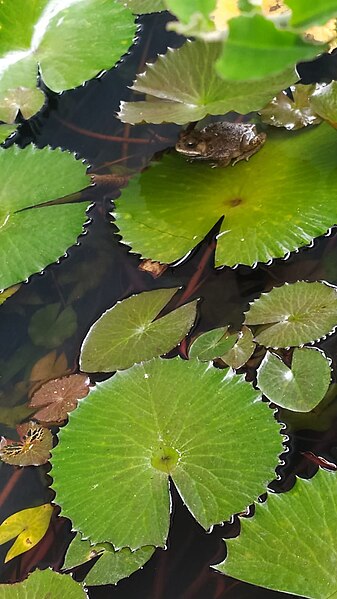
x,y
194,144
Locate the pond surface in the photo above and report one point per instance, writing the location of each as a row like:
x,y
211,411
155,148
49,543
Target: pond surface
x,y
98,272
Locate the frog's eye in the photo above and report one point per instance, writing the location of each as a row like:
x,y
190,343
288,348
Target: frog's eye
x,y
191,144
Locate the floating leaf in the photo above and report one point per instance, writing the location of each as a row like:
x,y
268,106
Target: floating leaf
x,y
56,398
4,295
142,7
300,387
300,526
129,332
60,39
158,419
32,237
29,526
318,419
268,211
255,49
50,326
33,449
212,344
324,101
241,351
184,99
306,13
296,313
194,19
112,565
44,584
6,131
291,113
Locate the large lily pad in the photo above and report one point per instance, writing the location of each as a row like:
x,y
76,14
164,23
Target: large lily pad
x,y
69,41
298,529
32,237
279,200
174,96
158,419
44,584
129,332
295,314
111,566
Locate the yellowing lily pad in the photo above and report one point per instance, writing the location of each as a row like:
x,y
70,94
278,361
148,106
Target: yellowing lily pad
x,y
29,526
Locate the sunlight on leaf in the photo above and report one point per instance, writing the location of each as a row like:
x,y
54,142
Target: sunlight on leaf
x,y
241,351
112,565
294,113
303,519
299,388
212,344
56,398
318,419
130,332
44,584
29,526
142,7
295,313
324,101
33,449
158,419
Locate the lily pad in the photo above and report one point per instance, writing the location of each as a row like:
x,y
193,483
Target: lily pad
x,y
296,314
142,7
241,351
6,131
306,13
56,398
33,449
324,101
291,113
51,325
255,49
303,519
44,584
130,332
300,387
32,236
193,19
174,97
278,201
112,565
59,38
29,526
212,344
160,419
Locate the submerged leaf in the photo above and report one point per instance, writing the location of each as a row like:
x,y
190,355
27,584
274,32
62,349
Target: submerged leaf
x,y
111,566
130,331
161,419
303,519
300,387
56,398
44,584
295,313
174,97
278,201
50,326
29,526
33,449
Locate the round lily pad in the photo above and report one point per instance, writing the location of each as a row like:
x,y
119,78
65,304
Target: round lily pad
x,y
294,314
300,387
161,419
278,201
44,584
33,235
298,529
241,351
212,344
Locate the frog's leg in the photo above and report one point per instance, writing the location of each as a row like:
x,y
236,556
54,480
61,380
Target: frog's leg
x,y
253,143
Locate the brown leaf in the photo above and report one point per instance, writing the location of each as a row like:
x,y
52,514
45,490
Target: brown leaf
x,y
48,367
33,449
55,399
156,269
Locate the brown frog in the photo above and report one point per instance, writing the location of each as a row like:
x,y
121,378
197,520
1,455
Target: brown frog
x,y
221,143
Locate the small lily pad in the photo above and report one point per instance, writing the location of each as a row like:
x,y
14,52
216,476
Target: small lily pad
x,y
29,526
300,387
241,351
130,332
212,344
298,313
173,97
44,584
291,113
300,526
166,210
56,398
6,131
161,419
51,325
111,566
33,448
323,101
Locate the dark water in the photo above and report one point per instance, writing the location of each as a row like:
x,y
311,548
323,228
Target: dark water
x,y
99,271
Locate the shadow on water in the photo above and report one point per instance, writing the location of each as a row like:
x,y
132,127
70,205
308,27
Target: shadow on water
x,y
99,271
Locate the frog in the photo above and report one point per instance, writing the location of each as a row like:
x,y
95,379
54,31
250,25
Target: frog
x,y
221,143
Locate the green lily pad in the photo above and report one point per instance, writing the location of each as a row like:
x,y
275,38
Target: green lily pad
x,y
51,325
300,387
269,211
142,7
291,113
44,584
6,131
67,46
324,101
296,314
128,333
160,419
241,351
112,565
298,526
193,19
174,97
31,236
318,419
255,49
212,344
306,13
